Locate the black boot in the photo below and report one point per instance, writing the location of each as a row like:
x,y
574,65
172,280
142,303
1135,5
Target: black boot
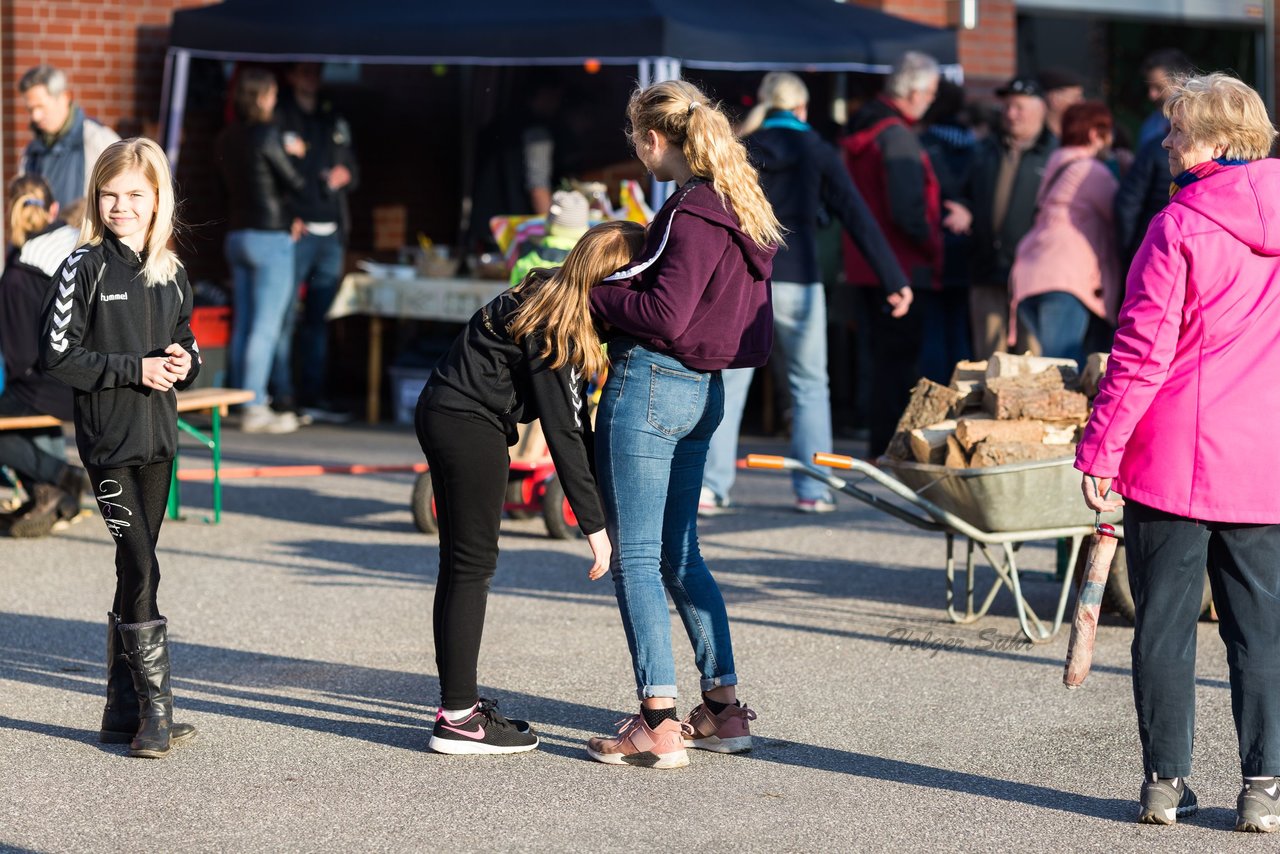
x,y
74,483
145,649
120,717
37,520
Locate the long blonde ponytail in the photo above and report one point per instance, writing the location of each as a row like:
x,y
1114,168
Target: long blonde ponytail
x,y
682,113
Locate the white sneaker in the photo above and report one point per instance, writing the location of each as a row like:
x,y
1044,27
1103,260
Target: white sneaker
x,y
260,418
815,505
709,504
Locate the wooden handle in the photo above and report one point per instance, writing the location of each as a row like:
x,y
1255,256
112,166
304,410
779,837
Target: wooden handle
x,y
1088,605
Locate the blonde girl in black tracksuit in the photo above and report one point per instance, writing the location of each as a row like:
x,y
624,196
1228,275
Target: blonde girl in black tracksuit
x,y
525,355
117,329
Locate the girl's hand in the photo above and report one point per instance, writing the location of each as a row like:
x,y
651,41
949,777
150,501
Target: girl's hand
x,y
178,360
900,303
1097,494
602,551
157,373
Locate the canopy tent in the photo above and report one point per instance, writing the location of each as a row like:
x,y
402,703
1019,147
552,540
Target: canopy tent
x,y
657,36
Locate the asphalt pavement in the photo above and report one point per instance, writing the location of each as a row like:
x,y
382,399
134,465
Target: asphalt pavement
x,y
302,651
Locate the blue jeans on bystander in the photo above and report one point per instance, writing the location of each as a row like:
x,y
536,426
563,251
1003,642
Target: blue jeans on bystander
x,y
800,339
262,273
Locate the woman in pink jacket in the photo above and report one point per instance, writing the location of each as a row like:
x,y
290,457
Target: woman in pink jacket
x,y
1183,428
1065,269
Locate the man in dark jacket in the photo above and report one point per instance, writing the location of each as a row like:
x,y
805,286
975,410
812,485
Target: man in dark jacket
x,y
802,177
894,174
1000,207
321,226
1143,193
53,486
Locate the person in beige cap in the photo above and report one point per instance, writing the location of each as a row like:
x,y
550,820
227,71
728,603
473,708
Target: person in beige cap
x,y
566,223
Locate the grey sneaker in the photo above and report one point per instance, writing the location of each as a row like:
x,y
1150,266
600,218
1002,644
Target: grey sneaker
x,y
1258,807
1164,802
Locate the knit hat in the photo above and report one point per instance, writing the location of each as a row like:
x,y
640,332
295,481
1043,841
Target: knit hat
x,y
568,214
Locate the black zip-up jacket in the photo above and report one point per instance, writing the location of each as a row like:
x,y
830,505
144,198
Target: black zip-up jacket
x,y
257,177
328,139
993,250
23,288
101,319
1143,193
803,177
488,377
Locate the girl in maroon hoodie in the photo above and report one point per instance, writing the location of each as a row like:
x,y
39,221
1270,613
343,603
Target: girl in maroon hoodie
x,y
695,302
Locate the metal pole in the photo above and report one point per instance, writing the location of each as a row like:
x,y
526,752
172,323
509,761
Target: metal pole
x,y
1269,56
177,102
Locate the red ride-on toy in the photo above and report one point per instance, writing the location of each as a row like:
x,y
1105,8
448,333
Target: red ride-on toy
x,y
532,489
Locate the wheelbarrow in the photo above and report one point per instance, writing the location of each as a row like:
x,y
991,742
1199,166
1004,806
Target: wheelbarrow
x,y
996,509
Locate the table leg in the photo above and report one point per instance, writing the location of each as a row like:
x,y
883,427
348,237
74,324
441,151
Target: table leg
x,y
373,403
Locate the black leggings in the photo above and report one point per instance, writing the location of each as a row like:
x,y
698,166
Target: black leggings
x,y
132,500
469,465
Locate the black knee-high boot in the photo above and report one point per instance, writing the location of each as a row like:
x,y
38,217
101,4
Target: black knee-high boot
x,y
145,649
120,716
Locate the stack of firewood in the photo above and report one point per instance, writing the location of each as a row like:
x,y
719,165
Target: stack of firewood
x,y
1010,409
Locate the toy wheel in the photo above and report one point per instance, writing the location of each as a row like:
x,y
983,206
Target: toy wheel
x,y
562,523
519,491
424,505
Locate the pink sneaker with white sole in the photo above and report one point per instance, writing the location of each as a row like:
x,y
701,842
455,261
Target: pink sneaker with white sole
x,y
637,744
727,732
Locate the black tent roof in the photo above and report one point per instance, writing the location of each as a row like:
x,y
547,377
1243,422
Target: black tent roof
x,y
746,34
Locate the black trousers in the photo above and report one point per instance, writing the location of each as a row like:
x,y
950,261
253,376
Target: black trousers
x,y
469,467
894,350
26,451
1167,556
132,501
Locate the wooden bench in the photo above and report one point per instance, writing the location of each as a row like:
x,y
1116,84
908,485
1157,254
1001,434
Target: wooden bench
x,y
215,401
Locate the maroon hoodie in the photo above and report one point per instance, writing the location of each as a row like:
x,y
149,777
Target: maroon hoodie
x,y
700,289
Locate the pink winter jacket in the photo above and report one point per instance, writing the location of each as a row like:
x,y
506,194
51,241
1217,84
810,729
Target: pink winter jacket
x,y
1185,418
1072,246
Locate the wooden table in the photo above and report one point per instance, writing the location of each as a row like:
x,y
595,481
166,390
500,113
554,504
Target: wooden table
x,y
449,300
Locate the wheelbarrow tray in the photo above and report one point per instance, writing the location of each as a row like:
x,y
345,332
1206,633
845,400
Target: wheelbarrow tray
x,y
1014,497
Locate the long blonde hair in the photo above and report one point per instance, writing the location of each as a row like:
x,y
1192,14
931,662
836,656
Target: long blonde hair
x,y
679,111
556,305
160,264
30,204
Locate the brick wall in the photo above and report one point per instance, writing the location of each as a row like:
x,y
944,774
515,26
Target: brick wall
x,y
988,53
112,51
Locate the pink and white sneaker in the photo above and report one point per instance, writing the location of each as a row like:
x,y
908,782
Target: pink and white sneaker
x,y
637,744
727,732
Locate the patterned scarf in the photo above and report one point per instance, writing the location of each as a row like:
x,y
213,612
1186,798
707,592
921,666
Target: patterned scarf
x,y
1201,170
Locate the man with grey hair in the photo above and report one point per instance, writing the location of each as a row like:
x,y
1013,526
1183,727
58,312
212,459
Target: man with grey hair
x,y
893,173
65,143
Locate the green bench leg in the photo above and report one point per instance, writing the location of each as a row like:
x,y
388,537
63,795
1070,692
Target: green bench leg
x,y
214,443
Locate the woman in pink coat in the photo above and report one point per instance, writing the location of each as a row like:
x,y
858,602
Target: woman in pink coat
x,y
1183,428
1065,269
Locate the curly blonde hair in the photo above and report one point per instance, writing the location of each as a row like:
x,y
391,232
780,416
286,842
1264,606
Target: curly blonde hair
x,y
1217,109
30,207
682,113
